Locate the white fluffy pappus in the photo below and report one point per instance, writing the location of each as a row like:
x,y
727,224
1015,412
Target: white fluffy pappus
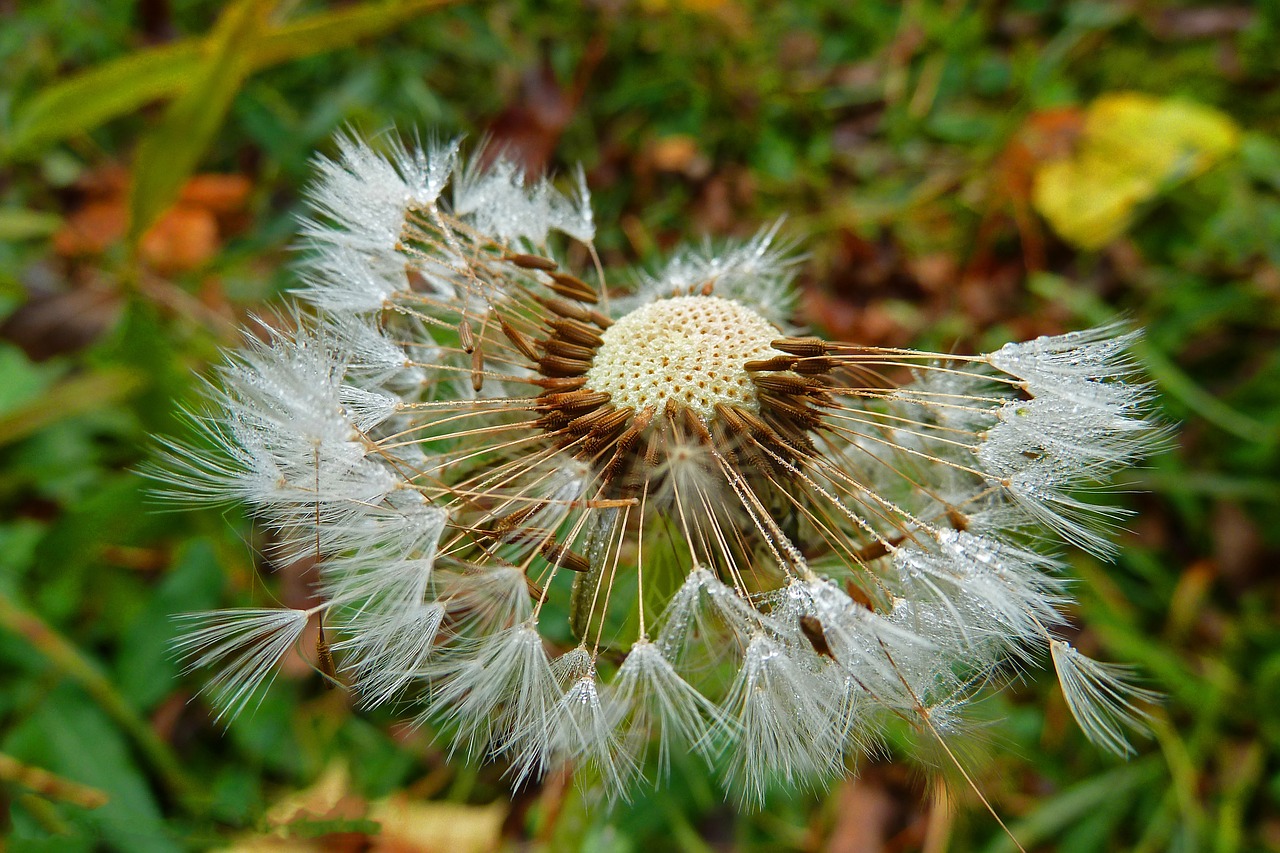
x,y
764,548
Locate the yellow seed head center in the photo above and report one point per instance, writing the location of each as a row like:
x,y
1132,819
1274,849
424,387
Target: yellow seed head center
x,y
687,349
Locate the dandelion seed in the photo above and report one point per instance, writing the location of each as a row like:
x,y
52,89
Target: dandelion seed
x,y
1100,699
783,700
244,647
764,542
649,700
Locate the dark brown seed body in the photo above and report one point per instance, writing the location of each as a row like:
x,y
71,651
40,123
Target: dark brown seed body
x,y
519,340
324,659
777,362
814,366
532,262
781,383
561,383
565,308
558,347
572,287
556,366
814,633
579,400
803,347
561,555
576,331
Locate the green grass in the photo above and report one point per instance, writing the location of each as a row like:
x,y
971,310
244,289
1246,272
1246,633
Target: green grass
x,y
880,130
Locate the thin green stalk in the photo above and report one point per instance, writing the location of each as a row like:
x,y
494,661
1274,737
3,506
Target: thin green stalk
x,y
45,814
1242,782
50,785
1173,381
69,660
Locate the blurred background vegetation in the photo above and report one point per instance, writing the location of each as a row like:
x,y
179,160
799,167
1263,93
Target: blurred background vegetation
x,y
957,174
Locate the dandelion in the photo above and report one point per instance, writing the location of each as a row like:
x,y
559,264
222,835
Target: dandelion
x,y
576,523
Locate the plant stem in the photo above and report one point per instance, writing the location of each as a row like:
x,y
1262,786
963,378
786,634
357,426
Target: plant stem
x,y
69,660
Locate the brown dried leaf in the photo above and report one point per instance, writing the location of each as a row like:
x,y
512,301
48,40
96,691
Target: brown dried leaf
x,y
92,229
54,322
217,193
678,153
183,238
528,130
865,818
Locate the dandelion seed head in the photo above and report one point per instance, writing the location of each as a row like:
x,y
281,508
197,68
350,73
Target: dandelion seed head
x,y
763,542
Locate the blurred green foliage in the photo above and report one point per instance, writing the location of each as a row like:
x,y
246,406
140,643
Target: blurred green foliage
x,y
897,139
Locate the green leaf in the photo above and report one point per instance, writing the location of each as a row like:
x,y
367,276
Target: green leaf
x,y
146,670
121,86
66,399
1260,157
19,224
333,30
24,382
168,155
91,97
1057,814
70,736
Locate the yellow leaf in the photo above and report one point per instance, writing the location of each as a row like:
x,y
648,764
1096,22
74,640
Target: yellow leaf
x,y
1133,147
400,822
436,827
325,797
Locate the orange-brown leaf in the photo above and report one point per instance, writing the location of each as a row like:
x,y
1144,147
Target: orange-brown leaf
x,y
182,239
